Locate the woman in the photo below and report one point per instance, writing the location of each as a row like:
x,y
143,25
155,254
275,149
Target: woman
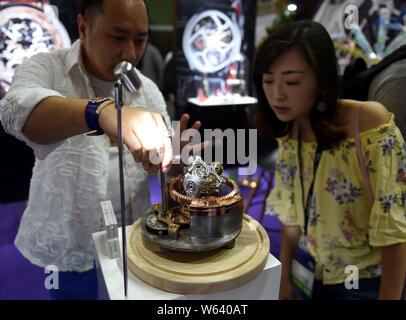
x,y
295,74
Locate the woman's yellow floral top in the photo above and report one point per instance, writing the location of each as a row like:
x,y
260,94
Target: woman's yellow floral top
x,y
342,229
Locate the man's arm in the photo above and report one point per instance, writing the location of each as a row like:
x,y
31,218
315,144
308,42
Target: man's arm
x,y
58,118
37,114
55,119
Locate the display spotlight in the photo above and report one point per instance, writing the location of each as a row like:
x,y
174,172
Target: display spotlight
x,y
292,7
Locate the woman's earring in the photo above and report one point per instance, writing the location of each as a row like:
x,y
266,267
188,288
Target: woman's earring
x,y
321,106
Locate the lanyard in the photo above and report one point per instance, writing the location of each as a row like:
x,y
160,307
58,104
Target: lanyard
x,y
309,195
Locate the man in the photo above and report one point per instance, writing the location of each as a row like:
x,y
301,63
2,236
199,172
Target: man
x,y
388,88
48,107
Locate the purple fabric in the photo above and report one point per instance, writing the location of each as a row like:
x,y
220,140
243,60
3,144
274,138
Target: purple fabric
x,y
19,279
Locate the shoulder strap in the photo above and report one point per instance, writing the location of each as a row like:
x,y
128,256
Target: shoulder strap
x,y
361,159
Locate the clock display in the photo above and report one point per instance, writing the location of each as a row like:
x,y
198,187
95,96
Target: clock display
x,y
24,31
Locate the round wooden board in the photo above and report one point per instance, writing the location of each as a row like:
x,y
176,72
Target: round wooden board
x,y
200,272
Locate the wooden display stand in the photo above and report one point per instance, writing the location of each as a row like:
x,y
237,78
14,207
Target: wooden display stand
x,y
265,286
201,272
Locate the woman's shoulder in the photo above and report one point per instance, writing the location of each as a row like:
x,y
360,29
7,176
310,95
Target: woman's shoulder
x,y
372,114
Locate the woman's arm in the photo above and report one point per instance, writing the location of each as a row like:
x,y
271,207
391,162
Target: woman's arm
x,y
393,258
393,271
290,237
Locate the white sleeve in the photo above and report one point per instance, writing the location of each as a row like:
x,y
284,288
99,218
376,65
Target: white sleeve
x,y
154,98
164,110
32,83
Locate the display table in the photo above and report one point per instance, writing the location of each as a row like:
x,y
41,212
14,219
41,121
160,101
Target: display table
x,y
111,284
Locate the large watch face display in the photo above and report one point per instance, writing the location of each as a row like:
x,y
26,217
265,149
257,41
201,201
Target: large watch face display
x,y
211,41
24,31
215,43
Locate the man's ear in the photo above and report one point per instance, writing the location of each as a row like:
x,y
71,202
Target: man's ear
x,y
83,27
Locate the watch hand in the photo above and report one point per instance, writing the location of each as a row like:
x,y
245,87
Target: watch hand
x,y
35,40
8,34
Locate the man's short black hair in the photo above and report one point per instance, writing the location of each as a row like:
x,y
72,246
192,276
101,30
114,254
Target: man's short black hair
x,y
84,6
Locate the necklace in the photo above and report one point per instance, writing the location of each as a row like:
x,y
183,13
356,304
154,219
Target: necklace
x,y
310,194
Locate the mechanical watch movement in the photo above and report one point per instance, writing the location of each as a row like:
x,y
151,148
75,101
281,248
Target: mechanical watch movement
x,y
27,28
204,211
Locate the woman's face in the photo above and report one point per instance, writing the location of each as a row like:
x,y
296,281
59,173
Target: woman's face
x,y
291,86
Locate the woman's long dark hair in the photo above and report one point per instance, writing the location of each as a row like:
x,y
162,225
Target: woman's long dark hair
x,y
318,50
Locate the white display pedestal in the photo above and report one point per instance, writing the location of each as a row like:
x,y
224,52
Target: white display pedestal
x,y
111,283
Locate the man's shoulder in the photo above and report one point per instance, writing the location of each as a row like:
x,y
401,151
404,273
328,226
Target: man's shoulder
x,y
389,81
148,83
394,71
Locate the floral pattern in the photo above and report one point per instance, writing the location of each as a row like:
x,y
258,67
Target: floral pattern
x,y
387,145
342,229
371,271
287,173
342,190
331,241
368,164
314,216
351,231
401,174
347,148
387,200
333,263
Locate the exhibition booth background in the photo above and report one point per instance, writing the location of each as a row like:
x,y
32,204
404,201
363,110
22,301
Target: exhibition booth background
x,y
17,159
20,279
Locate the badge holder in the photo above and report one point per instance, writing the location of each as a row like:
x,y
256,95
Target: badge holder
x,y
302,271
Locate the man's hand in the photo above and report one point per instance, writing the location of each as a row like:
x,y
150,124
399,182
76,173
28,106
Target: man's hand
x,y
184,146
144,133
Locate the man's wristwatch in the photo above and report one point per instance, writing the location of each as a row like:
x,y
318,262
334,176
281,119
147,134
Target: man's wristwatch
x,y
27,27
92,111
